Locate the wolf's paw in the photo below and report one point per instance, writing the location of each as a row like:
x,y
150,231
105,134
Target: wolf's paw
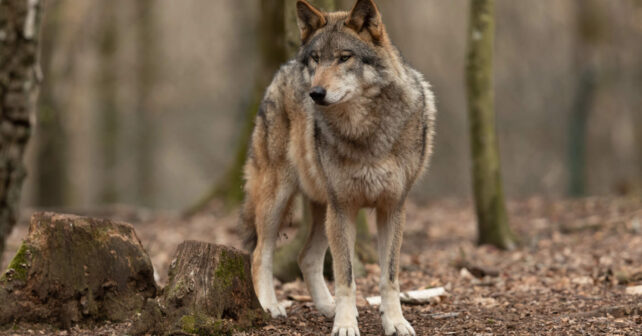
x,y
345,319
276,310
327,309
345,330
397,327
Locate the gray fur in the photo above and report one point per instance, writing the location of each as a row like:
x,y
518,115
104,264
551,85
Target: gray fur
x,y
364,145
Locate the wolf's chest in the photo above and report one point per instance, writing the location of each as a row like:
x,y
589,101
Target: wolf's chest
x,y
366,182
354,182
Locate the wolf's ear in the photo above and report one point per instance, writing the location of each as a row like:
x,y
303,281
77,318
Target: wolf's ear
x,y
366,16
310,19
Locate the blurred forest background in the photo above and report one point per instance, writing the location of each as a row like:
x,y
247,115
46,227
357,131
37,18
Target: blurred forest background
x,y
143,102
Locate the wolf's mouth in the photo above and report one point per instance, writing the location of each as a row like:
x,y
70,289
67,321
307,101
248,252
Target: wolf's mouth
x,y
325,103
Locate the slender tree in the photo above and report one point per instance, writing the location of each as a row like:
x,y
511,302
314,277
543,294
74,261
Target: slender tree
x,y
637,119
492,218
19,81
146,76
107,96
590,32
271,39
50,173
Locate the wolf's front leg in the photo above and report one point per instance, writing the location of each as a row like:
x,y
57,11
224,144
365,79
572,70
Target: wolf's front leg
x,y
390,224
341,232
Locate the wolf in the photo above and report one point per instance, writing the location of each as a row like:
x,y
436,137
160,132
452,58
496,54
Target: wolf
x,y
350,125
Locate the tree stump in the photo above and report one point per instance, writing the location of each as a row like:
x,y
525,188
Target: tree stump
x,y
210,292
72,269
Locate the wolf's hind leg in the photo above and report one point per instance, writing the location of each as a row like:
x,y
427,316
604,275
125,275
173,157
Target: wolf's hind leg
x,y
270,211
311,261
390,224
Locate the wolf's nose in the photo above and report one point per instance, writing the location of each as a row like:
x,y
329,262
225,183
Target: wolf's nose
x,y
318,94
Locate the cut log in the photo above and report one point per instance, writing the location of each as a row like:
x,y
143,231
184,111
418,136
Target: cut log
x,y
72,269
209,292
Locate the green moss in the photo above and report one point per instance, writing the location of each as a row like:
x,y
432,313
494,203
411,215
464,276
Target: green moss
x,y
177,290
229,268
202,325
188,323
19,264
101,233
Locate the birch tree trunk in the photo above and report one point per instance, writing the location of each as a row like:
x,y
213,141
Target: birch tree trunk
x,y
492,218
20,78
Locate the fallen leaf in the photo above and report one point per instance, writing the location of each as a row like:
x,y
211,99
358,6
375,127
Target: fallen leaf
x,y
465,273
582,281
486,302
635,290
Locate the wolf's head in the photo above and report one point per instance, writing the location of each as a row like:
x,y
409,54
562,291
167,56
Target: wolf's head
x,y
344,54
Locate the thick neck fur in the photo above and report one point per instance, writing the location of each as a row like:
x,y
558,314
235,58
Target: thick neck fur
x,y
370,123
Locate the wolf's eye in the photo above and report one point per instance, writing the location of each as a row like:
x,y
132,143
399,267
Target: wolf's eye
x,y
344,58
315,58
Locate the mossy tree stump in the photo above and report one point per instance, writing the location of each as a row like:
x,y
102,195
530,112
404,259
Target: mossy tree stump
x,y
75,269
210,292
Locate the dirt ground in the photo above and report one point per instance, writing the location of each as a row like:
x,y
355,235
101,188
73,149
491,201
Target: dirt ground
x,y
569,276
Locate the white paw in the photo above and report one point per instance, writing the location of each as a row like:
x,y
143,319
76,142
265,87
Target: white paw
x,y
345,330
398,327
345,319
327,309
276,310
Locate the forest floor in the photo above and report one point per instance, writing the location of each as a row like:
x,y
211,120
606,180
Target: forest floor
x,y
570,275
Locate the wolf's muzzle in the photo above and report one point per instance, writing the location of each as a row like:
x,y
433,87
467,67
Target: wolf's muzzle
x,y
318,95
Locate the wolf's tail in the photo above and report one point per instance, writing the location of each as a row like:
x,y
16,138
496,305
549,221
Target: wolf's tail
x,y
248,227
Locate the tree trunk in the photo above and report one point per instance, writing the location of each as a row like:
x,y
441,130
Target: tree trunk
x,y
207,283
271,31
147,69
50,173
577,132
590,31
72,269
492,218
108,111
19,82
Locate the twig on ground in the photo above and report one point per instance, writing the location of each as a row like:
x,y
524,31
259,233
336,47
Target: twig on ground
x,y
443,316
413,297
